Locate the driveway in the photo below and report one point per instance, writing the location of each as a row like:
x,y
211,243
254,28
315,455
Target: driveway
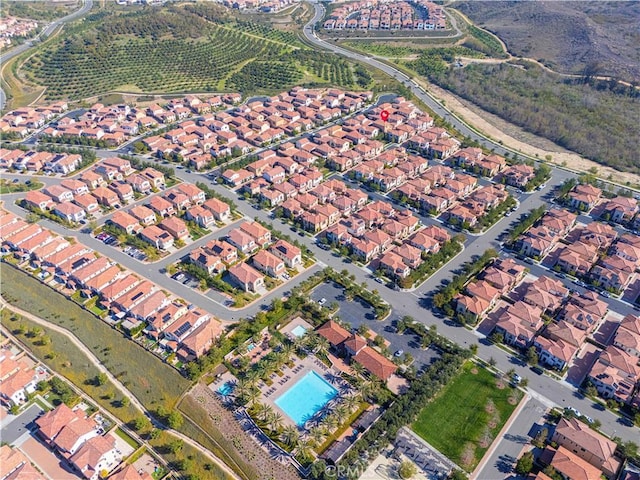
x,y
46,460
11,432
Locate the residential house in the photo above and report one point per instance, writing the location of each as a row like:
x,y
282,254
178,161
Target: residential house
x,y
144,215
126,222
268,263
616,374
70,212
157,237
176,227
248,278
587,444
290,254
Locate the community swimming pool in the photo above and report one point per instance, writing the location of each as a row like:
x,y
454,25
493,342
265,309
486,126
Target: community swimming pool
x,y
298,331
304,399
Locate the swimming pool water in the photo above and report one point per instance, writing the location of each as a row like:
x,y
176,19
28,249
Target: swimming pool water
x,y
250,347
305,398
225,389
299,331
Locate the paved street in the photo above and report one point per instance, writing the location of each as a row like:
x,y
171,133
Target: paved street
x,y
20,425
500,463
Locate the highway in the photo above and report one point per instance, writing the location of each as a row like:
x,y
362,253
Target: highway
x,y
48,30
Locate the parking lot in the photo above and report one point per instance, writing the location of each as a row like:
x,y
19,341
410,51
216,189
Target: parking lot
x,y
186,279
113,242
356,312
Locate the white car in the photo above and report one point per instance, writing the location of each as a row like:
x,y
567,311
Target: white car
x,y
322,301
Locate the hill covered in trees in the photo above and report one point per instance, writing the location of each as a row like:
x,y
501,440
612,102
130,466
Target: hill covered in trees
x,y
180,49
597,119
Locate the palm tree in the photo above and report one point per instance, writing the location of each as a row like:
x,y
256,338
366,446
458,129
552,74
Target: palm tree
x,y
290,436
369,391
252,395
287,350
316,435
274,420
305,449
263,411
351,402
358,369
330,422
341,412
322,345
242,387
280,359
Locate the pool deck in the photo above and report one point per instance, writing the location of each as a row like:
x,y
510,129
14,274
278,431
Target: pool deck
x,y
292,376
293,324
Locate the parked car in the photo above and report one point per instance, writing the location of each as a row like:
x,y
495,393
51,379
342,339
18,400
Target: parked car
x,y
398,353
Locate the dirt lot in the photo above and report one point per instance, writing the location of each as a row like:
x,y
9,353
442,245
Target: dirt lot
x,y
518,139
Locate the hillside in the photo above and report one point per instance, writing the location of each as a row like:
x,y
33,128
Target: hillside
x,y
591,119
189,48
567,36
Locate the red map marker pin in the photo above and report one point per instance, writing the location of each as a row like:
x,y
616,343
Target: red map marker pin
x,y
384,115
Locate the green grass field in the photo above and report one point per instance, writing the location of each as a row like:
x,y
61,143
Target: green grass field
x,y
147,377
456,421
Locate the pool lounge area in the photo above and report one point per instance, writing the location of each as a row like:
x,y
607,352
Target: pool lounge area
x,y
305,398
296,328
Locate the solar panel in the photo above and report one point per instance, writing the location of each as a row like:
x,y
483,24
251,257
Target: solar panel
x,y
184,328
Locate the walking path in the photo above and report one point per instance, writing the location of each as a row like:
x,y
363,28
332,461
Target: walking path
x,y
117,383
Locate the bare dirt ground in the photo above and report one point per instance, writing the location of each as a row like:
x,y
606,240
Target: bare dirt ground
x,y
520,140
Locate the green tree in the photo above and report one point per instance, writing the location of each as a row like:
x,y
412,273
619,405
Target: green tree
x,y
100,379
407,469
525,463
532,356
175,419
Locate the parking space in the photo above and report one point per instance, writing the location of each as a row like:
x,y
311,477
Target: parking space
x,y
186,279
356,312
427,459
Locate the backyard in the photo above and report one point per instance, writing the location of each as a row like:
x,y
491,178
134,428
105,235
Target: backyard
x,y
468,414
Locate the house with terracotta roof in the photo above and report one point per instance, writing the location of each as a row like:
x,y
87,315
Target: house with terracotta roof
x,y
545,292
37,199
97,455
268,263
157,237
15,386
260,234
587,444
106,197
568,465
59,193
584,197
69,212
627,336
393,265
478,298
615,374
620,209
125,222
290,254
65,429
155,177
519,324
518,175
200,340
556,353
14,465
220,210
248,278
176,227
143,214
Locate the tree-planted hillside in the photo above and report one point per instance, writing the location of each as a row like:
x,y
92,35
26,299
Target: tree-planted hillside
x,y
596,119
192,48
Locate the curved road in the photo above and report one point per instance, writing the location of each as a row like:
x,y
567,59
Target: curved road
x,y
96,362
49,29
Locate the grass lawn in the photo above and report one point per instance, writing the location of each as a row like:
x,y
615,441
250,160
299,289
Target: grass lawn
x,y
156,384
7,186
458,422
65,358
